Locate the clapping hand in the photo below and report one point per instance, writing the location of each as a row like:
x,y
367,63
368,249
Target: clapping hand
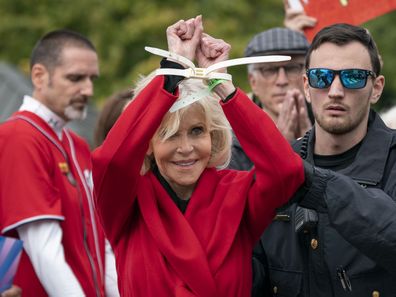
x,y
293,120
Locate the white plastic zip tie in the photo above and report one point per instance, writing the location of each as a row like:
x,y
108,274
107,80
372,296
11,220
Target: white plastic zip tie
x,y
205,73
208,73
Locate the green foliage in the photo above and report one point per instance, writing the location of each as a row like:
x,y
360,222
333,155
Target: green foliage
x,y
120,29
383,30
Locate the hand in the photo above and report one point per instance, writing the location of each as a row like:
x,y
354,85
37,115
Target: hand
x,y
184,36
293,120
304,123
211,51
287,118
297,20
14,291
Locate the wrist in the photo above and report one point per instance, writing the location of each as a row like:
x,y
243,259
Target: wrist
x,y
171,63
171,81
224,89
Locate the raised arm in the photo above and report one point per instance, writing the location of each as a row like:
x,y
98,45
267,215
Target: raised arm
x,y
118,162
278,170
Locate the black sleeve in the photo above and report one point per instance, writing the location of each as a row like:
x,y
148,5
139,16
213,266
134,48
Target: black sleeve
x,y
171,81
365,217
239,160
261,284
311,193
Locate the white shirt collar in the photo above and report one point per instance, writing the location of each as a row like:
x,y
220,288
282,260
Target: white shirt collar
x,y
39,109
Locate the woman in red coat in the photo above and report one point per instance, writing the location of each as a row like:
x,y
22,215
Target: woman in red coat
x,y
179,224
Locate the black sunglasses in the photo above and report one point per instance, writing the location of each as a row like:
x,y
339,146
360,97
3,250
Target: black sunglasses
x,y
322,78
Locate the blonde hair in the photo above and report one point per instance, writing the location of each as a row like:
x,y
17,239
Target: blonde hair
x,y
217,123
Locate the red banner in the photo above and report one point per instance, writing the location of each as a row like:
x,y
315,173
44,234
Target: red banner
x,y
353,12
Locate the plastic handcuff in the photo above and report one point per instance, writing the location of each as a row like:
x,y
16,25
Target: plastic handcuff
x,y
205,73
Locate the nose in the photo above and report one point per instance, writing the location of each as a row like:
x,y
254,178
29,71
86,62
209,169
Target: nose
x,y
336,89
87,88
185,145
281,79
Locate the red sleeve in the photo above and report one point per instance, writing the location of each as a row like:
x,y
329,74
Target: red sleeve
x,y
27,192
117,163
278,169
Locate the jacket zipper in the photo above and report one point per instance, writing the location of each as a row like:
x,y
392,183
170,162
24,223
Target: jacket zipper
x,y
365,183
344,279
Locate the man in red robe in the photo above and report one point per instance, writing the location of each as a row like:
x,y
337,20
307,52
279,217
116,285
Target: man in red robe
x,y
45,188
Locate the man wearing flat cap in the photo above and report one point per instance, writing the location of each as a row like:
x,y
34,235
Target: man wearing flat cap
x,y
277,87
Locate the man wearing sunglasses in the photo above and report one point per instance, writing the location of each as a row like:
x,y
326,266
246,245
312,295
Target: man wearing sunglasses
x,y
338,236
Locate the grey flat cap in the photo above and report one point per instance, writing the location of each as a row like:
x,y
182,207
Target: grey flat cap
x,y
277,41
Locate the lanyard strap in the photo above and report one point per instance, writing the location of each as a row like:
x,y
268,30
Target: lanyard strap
x,y
81,176
42,131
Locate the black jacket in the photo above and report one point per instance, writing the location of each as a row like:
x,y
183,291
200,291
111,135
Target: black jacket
x,y
351,250
239,160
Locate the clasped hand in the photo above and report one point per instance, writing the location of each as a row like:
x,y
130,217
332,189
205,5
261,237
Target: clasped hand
x,y
186,38
293,120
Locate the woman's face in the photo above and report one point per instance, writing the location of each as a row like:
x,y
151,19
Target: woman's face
x,y
182,158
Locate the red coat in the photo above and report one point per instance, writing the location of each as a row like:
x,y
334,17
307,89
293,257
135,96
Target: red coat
x,y
207,251
34,185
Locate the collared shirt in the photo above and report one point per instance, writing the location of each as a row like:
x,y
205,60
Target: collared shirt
x,y
52,119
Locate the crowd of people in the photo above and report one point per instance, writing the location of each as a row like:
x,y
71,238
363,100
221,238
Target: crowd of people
x,y
198,189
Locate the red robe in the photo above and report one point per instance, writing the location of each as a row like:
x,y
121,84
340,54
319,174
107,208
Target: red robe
x,y
207,251
36,184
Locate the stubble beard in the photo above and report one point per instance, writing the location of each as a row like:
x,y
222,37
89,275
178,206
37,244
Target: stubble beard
x,y
340,126
73,114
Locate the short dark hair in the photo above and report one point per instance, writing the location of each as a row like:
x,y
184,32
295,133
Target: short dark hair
x,y
48,49
342,34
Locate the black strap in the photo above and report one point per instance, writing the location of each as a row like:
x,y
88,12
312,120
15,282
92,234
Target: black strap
x,y
304,145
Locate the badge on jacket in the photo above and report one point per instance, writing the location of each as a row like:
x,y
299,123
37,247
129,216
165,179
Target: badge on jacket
x,y
64,168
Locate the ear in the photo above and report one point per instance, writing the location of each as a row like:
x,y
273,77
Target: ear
x,y
253,82
378,86
146,162
39,76
150,149
306,89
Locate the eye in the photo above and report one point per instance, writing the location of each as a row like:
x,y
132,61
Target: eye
x,y
75,78
269,70
197,130
293,68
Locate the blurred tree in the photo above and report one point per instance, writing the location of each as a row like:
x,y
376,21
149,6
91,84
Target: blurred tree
x,y
120,29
